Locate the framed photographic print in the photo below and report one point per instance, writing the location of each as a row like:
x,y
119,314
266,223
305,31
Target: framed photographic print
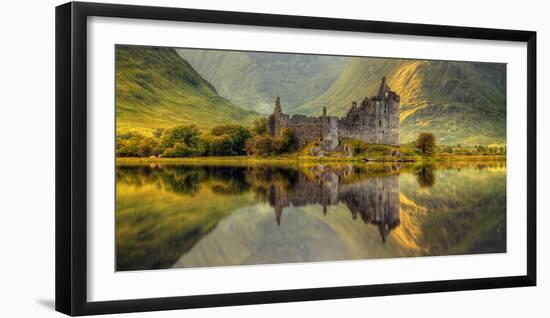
x,y
208,158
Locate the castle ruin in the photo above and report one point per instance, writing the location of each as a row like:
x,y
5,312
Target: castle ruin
x,y
374,121
374,199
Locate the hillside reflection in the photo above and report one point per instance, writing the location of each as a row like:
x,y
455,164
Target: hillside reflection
x,y
189,215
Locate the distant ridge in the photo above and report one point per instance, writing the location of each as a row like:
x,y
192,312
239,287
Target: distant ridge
x,y
252,80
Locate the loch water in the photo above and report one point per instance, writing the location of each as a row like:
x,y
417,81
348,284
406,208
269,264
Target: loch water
x,y
199,215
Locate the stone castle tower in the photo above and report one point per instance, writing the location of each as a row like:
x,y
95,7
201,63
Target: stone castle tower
x,y
374,121
375,200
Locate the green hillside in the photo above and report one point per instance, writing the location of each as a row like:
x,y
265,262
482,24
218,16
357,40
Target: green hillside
x,y
460,102
156,88
252,80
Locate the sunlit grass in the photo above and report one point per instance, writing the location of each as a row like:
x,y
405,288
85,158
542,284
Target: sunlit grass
x,y
156,88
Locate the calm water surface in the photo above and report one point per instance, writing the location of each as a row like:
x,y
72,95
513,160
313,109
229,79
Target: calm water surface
x,y
191,215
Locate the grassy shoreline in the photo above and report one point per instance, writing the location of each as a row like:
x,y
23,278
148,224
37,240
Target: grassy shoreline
x,y
310,159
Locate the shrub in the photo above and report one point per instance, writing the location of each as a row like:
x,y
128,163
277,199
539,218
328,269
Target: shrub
x,y
179,150
158,132
358,148
288,142
262,146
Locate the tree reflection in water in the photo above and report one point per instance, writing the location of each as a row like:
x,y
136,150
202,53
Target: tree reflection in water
x,y
164,211
425,176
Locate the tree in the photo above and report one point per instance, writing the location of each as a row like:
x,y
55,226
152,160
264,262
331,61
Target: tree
x,y
425,142
220,146
259,126
128,144
262,146
288,141
179,150
147,147
234,137
188,135
425,176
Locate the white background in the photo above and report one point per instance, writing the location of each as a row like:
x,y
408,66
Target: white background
x,y
27,179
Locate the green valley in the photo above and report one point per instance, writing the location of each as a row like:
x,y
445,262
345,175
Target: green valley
x,y
252,80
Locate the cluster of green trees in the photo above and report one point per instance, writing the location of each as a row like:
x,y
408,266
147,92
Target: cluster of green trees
x,y
261,144
472,149
185,141
223,140
426,143
264,145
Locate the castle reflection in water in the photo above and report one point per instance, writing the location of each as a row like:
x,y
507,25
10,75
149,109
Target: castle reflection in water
x,y
228,214
373,196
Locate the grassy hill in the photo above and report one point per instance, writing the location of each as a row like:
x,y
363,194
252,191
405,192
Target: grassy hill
x,y
156,88
458,101
252,80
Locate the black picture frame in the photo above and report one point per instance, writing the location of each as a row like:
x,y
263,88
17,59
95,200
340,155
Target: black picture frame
x,y
71,157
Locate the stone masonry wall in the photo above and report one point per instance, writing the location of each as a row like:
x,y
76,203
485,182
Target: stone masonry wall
x,y
375,121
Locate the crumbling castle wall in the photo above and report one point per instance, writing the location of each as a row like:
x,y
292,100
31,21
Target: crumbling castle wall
x,y
375,121
306,128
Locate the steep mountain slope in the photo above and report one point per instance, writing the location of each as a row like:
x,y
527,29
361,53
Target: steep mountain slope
x,y
460,102
156,88
253,80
